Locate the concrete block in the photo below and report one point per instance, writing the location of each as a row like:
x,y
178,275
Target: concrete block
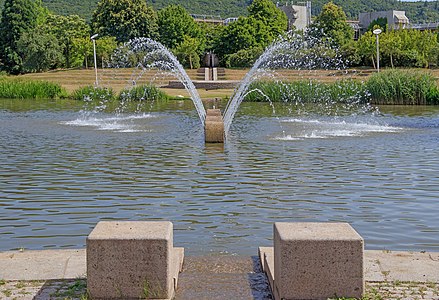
x,y
132,260
317,261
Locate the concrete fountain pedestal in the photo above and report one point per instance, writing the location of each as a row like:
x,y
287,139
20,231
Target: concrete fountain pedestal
x,y
214,127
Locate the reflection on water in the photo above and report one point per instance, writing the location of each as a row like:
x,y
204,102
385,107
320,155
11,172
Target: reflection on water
x,y
62,172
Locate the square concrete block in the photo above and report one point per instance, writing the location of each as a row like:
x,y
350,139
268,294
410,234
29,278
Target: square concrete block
x,y
317,261
132,260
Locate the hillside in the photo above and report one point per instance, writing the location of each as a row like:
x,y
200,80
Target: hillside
x,y
417,12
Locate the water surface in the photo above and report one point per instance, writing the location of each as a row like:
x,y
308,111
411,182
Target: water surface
x,y
62,171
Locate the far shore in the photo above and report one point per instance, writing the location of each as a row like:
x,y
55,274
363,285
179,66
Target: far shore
x,y
118,79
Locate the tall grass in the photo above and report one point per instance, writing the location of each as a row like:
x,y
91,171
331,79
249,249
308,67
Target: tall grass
x,y
403,87
143,93
91,93
15,88
128,100
308,91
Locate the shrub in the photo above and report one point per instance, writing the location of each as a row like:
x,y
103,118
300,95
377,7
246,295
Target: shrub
x,y
243,58
403,87
15,88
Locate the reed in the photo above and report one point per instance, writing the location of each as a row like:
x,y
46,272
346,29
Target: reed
x,y
404,87
142,93
16,88
91,93
308,91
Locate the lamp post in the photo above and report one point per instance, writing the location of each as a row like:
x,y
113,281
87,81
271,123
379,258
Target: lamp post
x,y
93,37
377,33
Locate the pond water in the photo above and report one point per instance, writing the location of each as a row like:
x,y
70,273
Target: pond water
x,y
62,171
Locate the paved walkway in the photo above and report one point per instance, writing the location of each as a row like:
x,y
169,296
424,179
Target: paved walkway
x,y
59,274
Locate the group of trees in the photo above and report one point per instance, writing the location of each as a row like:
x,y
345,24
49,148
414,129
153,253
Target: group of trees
x,y
403,48
33,39
399,48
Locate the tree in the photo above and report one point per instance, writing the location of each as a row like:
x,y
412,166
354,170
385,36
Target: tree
x,y
175,24
239,35
105,46
125,19
39,50
367,47
272,17
390,45
18,17
378,23
263,25
67,29
83,45
332,23
42,12
187,54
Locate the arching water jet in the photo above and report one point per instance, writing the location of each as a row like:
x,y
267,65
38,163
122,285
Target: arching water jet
x,y
292,51
147,54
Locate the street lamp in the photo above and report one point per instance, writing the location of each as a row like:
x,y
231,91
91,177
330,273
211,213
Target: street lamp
x,y
377,33
93,37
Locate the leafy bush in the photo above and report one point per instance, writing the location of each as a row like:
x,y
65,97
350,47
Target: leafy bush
x,y
14,88
403,87
243,58
142,92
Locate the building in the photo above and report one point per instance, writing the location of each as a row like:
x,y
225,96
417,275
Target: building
x,y
230,20
396,19
426,26
299,16
356,27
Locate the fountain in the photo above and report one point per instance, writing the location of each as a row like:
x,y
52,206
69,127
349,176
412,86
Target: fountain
x,y
293,51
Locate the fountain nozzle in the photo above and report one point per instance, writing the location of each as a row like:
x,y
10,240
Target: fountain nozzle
x,y
214,127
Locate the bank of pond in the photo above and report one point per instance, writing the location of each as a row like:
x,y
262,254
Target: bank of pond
x,y
389,87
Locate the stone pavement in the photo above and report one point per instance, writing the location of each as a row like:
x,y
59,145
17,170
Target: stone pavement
x,y
60,274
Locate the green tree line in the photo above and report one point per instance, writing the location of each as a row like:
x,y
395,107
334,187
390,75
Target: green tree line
x,y
34,39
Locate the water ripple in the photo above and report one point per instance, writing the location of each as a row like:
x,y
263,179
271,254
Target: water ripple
x,y
58,178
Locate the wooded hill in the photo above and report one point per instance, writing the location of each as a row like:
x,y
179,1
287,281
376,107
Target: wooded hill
x,y
417,12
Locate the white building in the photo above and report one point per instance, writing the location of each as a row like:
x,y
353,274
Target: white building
x,y
299,16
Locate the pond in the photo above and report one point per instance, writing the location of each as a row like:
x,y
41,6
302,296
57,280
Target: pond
x,y
62,171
